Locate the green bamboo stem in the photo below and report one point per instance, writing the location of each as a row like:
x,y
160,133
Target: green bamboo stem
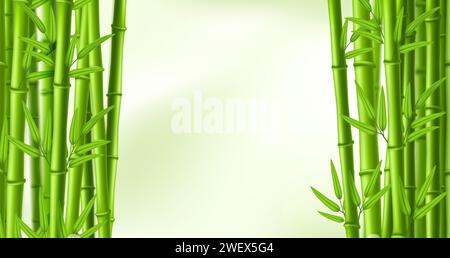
x,y
103,212
443,120
3,93
386,228
409,81
61,89
115,96
447,140
18,91
377,57
81,106
420,144
432,75
9,52
401,4
88,187
344,130
46,98
369,159
395,145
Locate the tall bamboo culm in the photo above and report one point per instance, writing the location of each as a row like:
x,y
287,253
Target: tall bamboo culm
x,y
447,161
3,92
345,140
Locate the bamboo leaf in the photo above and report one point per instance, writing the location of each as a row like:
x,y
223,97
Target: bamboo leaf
x,y
42,58
406,207
374,37
48,131
373,200
334,218
354,194
95,119
80,4
421,133
84,215
73,137
422,212
426,119
420,20
428,93
31,124
90,146
398,32
28,149
25,228
85,51
373,180
34,18
43,219
363,127
367,104
45,48
62,225
37,3
27,59
71,50
408,106
344,35
336,184
76,162
36,76
366,5
355,36
79,73
424,189
92,230
381,112
326,201
413,46
354,53
364,24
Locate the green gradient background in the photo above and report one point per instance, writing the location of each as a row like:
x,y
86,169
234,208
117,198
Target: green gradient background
x,y
236,185
225,185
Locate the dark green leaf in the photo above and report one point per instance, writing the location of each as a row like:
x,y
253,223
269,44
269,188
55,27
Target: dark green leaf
x,y
84,215
34,18
326,201
366,5
363,127
95,119
422,212
373,200
420,20
76,162
34,131
373,180
78,73
85,51
354,53
421,133
367,104
364,24
426,119
25,229
336,184
90,146
425,187
30,150
413,46
36,76
428,93
381,112
93,230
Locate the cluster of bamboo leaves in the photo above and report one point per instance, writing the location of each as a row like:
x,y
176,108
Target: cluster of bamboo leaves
x,y
39,63
417,122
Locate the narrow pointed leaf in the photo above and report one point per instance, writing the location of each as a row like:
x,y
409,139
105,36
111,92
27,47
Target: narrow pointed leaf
x,y
336,184
76,162
25,229
381,112
78,73
83,216
428,93
367,104
413,46
95,119
366,5
45,48
34,18
357,52
71,50
31,124
344,35
421,133
92,230
326,201
334,218
373,180
36,76
42,58
354,194
365,24
80,4
90,146
373,36
373,200
424,189
422,212
406,207
85,51
363,127
28,149
408,106
420,20
426,119
73,137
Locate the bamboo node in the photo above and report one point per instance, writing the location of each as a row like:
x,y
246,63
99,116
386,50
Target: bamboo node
x,y
103,214
346,145
396,148
433,19
88,188
16,182
447,172
339,67
433,193
389,62
410,187
69,2
113,157
35,186
18,91
364,64
112,94
61,86
118,28
433,108
351,225
366,172
58,173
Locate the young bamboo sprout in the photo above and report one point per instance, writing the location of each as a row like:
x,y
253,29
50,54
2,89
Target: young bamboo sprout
x,y
344,130
115,96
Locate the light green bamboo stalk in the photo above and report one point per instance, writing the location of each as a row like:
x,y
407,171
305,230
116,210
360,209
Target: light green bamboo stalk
x,y
432,75
447,140
88,186
378,4
401,6
115,96
46,96
81,106
61,89
420,144
3,93
344,130
9,53
364,65
443,120
409,83
99,133
386,228
396,152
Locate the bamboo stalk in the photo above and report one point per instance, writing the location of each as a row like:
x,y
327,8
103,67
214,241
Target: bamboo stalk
x,y
377,57
3,92
386,229
61,89
369,159
432,75
46,98
395,145
88,186
443,120
420,144
344,130
447,141
81,106
409,81
115,96
103,212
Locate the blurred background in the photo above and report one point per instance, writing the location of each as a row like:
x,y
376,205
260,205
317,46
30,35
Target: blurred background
x,y
272,55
